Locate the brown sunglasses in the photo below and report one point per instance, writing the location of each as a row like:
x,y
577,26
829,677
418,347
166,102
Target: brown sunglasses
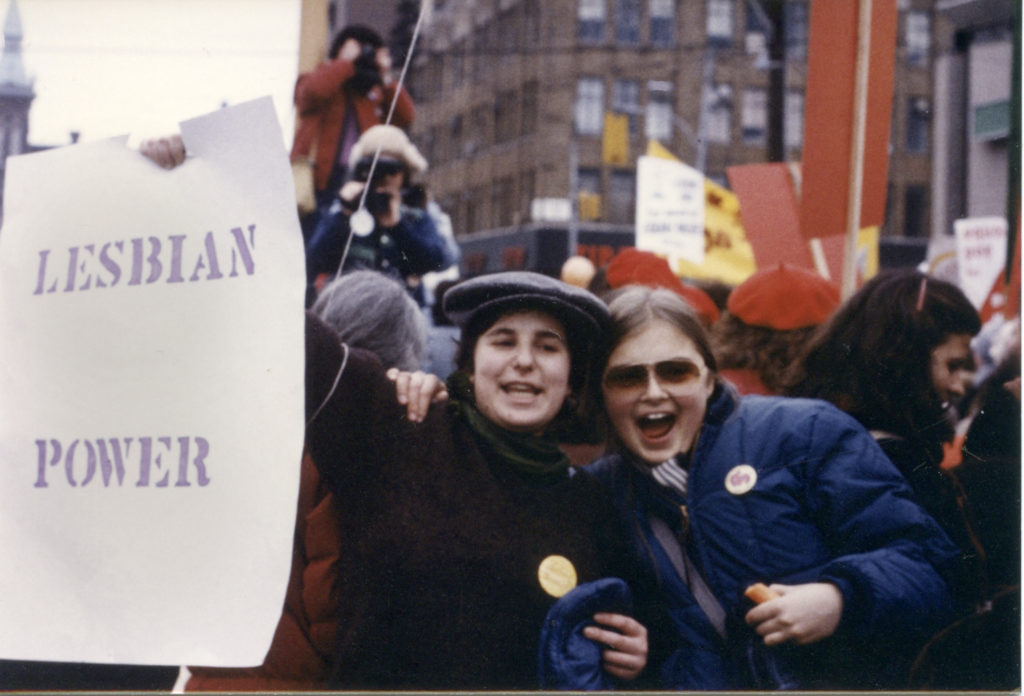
x,y
667,372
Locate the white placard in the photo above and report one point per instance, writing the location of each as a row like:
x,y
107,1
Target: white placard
x,y
151,397
669,209
980,255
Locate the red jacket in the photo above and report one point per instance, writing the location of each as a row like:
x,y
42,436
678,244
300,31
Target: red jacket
x,y
299,657
321,102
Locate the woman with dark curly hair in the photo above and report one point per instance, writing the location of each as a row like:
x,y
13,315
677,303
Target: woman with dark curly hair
x,y
896,356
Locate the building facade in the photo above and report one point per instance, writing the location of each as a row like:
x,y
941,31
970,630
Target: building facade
x,y
974,115
512,97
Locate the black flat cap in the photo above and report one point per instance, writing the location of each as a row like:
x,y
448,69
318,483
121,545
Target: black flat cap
x,y
585,316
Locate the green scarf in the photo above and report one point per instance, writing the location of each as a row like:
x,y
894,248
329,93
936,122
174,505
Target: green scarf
x,y
534,457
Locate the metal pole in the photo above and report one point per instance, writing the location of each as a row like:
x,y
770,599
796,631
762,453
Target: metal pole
x,y
572,232
701,160
856,180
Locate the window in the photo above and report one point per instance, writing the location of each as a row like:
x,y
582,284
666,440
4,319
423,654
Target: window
x,y
588,188
718,127
589,106
588,180
591,20
915,211
622,196
626,100
532,22
455,138
663,22
719,21
479,135
458,59
754,116
528,122
627,21
794,17
506,117
755,41
658,121
794,119
502,202
918,117
526,192
478,209
918,38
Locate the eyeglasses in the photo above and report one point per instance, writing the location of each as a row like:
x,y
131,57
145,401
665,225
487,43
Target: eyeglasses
x,y
667,372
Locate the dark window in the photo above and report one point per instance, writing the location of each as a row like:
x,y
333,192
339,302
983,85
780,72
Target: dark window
x,y
794,15
663,22
591,20
627,21
622,196
528,122
626,100
915,211
918,119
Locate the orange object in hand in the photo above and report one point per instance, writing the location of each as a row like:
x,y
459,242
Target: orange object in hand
x,y
759,593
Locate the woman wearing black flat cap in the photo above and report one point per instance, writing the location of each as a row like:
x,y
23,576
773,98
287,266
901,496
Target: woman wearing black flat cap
x,y
459,532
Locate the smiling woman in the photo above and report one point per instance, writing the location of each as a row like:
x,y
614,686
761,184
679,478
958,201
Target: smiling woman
x,y
721,492
459,533
521,371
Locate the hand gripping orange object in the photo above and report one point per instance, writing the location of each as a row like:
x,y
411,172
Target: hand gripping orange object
x,y
759,593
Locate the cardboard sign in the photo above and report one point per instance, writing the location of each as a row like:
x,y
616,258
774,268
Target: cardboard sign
x,y
980,255
151,417
669,209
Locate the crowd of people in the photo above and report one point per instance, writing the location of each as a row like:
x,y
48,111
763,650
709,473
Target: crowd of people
x,y
619,479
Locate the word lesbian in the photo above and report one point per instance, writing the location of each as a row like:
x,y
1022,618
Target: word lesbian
x,y
112,457
147,260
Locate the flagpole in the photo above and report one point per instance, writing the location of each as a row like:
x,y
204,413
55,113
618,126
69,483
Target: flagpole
x,y
856,180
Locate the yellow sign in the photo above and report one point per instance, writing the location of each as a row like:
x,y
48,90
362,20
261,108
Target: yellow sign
x,y
728,257
867,253
615,140
589,205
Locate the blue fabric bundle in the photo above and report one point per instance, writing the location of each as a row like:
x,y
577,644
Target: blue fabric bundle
x,y
567,660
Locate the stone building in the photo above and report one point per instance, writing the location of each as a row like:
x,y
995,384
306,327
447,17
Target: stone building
x,y
512,95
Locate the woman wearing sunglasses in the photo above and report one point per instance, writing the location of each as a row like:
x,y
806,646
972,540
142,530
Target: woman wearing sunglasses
x,y
720,493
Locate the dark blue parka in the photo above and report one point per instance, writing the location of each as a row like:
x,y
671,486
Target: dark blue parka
x,y
816,502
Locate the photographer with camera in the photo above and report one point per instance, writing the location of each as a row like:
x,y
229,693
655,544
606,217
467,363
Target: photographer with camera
x,y
387,235
337,102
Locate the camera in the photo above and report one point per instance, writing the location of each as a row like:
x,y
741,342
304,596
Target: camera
x,y
377,202
367,73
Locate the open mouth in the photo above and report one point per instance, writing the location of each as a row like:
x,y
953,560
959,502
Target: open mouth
x,y
656,425
520,389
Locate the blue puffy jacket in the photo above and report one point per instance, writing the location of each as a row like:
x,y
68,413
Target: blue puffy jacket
x,y
823,505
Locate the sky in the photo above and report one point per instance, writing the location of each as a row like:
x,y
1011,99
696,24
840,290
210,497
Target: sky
x,y
107,68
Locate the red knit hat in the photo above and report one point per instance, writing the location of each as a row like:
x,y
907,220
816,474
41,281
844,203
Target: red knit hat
x,y
784,298
635,267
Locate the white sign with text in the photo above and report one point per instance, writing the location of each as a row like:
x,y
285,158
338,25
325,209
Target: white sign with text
x,y
151,417
669,209
980,255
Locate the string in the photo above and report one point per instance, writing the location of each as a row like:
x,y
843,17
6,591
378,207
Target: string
x,y
361,208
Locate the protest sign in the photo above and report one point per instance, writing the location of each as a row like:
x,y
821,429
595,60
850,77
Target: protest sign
x,y
980,255
151,418
669,209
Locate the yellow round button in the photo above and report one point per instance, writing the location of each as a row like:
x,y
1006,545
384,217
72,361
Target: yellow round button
x,y
556,575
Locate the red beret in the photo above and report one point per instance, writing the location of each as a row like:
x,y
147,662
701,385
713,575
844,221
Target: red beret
x,y
635,267
784,298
